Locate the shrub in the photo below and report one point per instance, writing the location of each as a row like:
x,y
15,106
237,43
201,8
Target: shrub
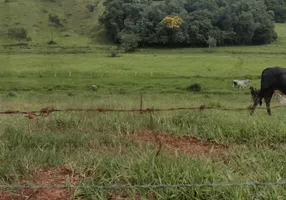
x,y
114,53
129,42
70,94
51,42
18,33
91,7
54,20
11,94
196,87
51,1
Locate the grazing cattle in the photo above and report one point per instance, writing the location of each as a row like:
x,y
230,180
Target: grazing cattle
x,y
272,78
240,83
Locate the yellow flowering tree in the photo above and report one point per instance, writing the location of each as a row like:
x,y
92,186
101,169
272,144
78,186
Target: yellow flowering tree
x,y
172,22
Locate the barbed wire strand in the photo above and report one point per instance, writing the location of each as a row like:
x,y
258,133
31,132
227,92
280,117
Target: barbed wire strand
x,y
164,186
48,110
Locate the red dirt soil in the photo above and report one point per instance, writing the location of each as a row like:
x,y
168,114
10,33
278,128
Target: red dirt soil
x,y
47,177
186,144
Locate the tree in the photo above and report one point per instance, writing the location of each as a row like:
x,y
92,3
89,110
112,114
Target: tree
x,y
172,22
54,22
279,9
245,28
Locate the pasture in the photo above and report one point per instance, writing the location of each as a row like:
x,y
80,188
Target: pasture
x,y
91,148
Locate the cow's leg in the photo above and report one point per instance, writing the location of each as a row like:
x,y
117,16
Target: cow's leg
x,y
257,100
267,98
253,107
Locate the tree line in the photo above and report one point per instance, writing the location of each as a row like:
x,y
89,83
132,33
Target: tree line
x,y
197,23
279,9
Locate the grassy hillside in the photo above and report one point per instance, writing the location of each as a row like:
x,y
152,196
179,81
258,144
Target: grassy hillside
x,y
80,25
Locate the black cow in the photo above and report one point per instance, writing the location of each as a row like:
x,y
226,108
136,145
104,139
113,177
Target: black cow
x,y
272,78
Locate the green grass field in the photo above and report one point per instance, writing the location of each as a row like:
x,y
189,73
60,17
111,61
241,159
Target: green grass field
x,y
100,149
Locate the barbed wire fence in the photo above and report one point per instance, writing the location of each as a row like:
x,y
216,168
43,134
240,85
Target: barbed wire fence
x,y
46,111
156,186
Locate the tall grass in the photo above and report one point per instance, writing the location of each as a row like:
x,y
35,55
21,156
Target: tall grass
x,y
97,146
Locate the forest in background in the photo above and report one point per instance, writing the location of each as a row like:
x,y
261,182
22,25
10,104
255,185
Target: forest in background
x,y
195,23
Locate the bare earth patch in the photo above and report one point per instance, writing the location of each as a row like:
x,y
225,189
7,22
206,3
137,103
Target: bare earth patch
x,y
187,144
47,177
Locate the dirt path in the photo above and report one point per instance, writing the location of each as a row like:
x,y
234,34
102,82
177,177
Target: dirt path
x,y
186,144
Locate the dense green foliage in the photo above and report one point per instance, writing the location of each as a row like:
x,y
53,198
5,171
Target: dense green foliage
x,y
229,22
279,9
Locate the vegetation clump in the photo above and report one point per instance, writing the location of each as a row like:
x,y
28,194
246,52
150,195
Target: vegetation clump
x,y
18,33
196,87
198,23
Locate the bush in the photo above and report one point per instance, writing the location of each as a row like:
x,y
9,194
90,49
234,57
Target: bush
x,y
18,33
91,7
50,1
11,94
70,94
196,87
114,53
129,42
51,42
55,21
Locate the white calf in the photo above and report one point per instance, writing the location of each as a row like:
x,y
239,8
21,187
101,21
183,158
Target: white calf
x,y
240,83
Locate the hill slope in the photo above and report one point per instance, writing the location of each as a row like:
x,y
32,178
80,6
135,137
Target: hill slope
x,y
80,24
